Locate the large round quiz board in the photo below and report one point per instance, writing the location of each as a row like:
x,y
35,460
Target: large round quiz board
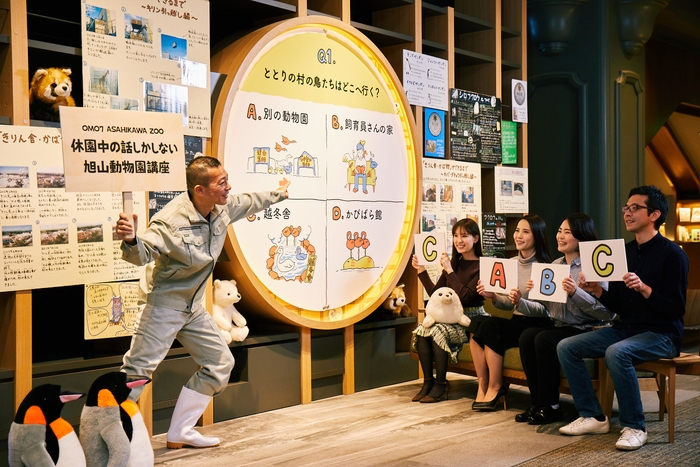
x,y
314,101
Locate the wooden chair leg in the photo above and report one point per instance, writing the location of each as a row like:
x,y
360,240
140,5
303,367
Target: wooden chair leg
x,y
663,395
671,403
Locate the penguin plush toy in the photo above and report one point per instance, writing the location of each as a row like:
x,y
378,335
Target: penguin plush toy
x,y
39,436
112,431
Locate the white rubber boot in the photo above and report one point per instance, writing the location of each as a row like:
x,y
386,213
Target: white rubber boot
x,y
189,407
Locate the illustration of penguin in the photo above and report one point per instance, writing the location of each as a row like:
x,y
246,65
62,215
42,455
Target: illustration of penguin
x,y
39,436
106,428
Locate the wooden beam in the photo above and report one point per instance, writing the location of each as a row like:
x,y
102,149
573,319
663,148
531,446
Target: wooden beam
x,y
16,338
19,64
345,11
305,365
145,404
349,374
208,415
302,8
499,49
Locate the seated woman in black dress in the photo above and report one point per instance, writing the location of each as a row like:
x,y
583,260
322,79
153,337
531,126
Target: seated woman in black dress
x,y
492,336
441,342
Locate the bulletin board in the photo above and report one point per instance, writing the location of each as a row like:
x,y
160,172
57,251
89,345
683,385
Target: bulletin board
x,y
51,237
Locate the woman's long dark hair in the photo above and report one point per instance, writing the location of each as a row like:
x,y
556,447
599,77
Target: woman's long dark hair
x,y
472,228
539,232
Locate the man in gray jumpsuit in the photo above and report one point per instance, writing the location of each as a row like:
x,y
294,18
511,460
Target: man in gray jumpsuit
x,y
184,241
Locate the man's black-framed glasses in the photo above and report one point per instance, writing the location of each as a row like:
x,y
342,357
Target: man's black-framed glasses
x,y
636,207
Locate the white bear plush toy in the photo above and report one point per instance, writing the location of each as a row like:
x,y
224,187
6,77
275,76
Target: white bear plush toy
x,y
230,322
444,307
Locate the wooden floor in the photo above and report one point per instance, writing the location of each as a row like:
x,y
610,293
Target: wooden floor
x,y
382,427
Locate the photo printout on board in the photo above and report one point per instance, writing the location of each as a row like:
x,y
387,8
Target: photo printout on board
x,y
547,280
603,260
429,247
52,237
498,275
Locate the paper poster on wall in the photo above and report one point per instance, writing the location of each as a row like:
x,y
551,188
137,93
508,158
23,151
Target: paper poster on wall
x,y
451,190
509,142
158,199
111,310
101,158
547,279
51,237
511,189
434,133
603,260
493,234
475,127
151,57
425,80
498,275
429,247
519,102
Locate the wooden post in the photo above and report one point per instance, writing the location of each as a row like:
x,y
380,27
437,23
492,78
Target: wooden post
x,y
16,307
305,365
345,11
14,66
208,415
349,374
16,338
145,404
302,8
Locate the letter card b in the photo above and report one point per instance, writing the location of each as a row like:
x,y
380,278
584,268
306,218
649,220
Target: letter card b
x,y
547,279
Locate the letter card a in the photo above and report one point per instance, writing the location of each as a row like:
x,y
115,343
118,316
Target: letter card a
x,y
497,274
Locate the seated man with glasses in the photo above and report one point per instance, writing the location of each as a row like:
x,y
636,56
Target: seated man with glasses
x,y
650,301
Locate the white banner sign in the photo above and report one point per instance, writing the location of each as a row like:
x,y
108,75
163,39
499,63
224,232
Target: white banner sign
x,y
116,150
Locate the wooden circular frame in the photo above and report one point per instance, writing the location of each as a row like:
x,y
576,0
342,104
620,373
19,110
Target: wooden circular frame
x,y
234,61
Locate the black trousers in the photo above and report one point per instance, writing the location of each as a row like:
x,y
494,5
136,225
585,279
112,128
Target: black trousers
x,y
538,353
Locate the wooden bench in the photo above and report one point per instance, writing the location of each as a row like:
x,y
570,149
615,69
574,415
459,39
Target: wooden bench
x,y
663,369
513,372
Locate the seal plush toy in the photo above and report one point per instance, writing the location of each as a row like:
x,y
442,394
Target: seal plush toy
x,y
108,433
50,89
395,304
39,436
444,307
232,325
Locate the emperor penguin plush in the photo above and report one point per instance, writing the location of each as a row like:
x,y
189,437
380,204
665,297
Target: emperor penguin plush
x,y
107,430
39,436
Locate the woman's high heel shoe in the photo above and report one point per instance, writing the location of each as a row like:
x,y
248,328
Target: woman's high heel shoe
x,y
427,386
435,395
490,406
